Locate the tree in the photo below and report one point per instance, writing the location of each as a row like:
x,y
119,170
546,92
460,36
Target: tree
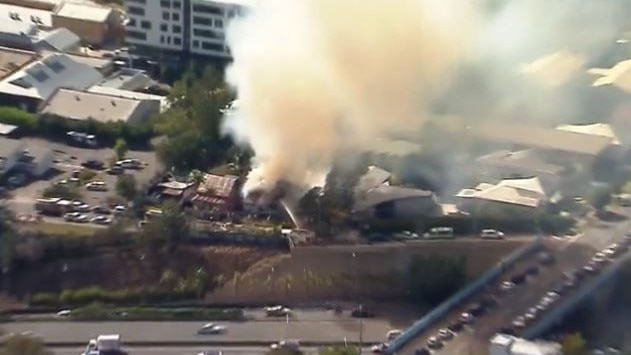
x,y
339,350
196,176
21,344
120,148
600,198
126,186
168,230
431,279
62,191
574,344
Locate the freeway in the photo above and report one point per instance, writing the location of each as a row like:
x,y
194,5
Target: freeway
x,y
193,350
570,254
255,333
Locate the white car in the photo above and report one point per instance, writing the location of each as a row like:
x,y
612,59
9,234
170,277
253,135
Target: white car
x,y
64,313
393,334
434,343
531,314
491,234
82,218
379,348
519,322
96,186
212,328
466,318
119,209
83,208
507,286
277,311
71,216
101,220
445,334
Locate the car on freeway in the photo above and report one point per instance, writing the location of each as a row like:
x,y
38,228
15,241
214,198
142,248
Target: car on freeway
x,y
64,313
445,334
466,318
434,343
393,334
532,270
379,348
277,311
456,326
491,234
531,314
507,286
590,268
211,328
543,304
519,322
210,352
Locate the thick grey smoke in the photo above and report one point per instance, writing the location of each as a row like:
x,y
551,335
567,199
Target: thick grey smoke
x,y
315,77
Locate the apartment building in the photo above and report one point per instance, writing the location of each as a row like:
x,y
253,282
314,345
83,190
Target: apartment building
x,y
195,26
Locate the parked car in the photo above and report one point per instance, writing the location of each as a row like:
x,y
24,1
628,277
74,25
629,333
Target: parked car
x,y
93,164
96,186
71,216
466,318
101,210
277,311
212,328
101,220
119,209
434,343
115,170
507,286
491,234
393,334
83,207
456,326
445,334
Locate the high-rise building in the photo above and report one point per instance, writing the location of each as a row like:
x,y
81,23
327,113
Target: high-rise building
x,y
195,26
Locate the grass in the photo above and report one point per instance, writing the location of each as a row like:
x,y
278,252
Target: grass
x,y
101,313
67,229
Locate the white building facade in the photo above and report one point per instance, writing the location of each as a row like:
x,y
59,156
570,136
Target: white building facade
x,y
195,26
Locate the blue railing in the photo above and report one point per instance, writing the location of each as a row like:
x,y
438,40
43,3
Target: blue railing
x,y
447,306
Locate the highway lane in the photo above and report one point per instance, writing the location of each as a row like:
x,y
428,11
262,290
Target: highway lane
x,y
571,253
374,330
191,350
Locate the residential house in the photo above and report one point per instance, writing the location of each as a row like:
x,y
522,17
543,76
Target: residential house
x,y
180,192
95,24
37,81
508,198
82,105
395,202
218,196
127,79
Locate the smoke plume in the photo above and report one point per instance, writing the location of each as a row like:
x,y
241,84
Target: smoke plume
x,y
315,77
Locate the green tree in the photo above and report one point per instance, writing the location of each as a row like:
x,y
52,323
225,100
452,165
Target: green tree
x,y
22,344
168,230
126,186
600,198
120,148
66,191
339,350
574,344
196,176
431,279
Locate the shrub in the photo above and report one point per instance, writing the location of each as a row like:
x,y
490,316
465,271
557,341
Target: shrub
x,y
14,116
44,299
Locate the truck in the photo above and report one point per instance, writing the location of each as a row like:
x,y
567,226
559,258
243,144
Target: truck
x,y
108,344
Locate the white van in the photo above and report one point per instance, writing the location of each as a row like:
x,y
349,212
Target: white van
x,y
393,334
440,233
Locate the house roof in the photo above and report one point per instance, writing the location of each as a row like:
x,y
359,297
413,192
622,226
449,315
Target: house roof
x,y
619,76
218,186
84,12
27,15
127,79
523,192
523,160
175,185
60,39
595,129
555,69
164,102
374,177
384,193
81,105
543,138
12,60
97,63
41,78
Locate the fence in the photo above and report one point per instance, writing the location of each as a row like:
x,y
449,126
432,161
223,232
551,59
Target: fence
x,y
444,308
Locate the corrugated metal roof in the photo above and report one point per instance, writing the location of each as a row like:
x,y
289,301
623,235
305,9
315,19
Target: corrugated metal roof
x,y
382,194
218,186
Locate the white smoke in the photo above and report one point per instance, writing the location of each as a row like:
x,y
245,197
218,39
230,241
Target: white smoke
x,y
315,77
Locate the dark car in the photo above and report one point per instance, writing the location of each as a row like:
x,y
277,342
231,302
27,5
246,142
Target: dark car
x,y
115,170
507,331
361,312
477,310
532,270
93,164
518,279
422,351
488,301
456,326
101,210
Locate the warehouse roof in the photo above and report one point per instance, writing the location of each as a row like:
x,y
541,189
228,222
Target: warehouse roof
x,y
81,105
384,193
84,12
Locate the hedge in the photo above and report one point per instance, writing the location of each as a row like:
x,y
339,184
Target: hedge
x,y
95,294
56,127
99,312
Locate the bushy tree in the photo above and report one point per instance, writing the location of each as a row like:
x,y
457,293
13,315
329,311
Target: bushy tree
x,y
22,344
432,279
120,148
168,230
574,344
126,187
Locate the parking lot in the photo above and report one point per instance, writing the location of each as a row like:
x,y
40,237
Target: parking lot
x,y
68,159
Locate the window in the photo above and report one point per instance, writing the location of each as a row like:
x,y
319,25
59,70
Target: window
x,y
145,24
165,15
212,46
218,23
165,3
161,38
207,33
138,1
168,39
177,4
136,10
164,27
207,9
196,44
132,22
177,40
198,20
177,29
137,35
175,16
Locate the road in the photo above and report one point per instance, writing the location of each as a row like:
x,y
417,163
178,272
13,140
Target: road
x,y
253,332
570,254
181,350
